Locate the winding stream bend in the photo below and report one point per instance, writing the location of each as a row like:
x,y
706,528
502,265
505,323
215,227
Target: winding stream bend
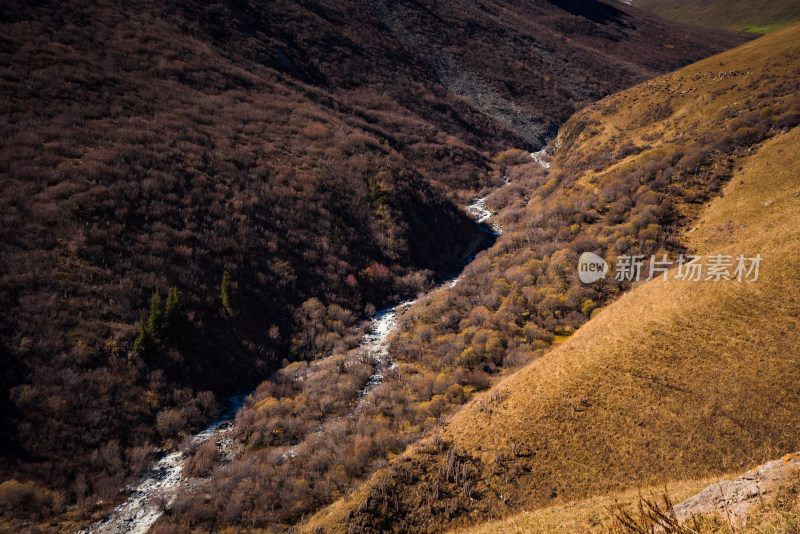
x,y
138,513
537,157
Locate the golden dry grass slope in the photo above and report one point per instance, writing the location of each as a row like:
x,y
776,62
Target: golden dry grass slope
x,y
707,368
594,515
675,380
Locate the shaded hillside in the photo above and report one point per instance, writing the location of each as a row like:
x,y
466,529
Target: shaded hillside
x,y
137,157
527,65
281,169
737,15
672,380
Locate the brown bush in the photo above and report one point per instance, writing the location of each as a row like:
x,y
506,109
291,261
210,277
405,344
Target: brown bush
x,y
204,459
27,499
170,422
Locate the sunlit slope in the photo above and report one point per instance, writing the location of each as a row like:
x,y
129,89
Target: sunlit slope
x,y
740,15
594,514
674,380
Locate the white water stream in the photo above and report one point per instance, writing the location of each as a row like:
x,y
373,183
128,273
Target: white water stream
x,y
138,513
537,157
376,343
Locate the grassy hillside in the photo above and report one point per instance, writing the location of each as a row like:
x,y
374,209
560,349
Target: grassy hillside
x,y
672,380
595,514
737,15
771,503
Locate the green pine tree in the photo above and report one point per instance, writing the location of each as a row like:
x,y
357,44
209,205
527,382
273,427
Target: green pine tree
x,y
226,292
174,312
155,320
144,343
377,193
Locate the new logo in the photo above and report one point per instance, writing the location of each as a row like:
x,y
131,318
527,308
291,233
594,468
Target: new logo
x,y
591,267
